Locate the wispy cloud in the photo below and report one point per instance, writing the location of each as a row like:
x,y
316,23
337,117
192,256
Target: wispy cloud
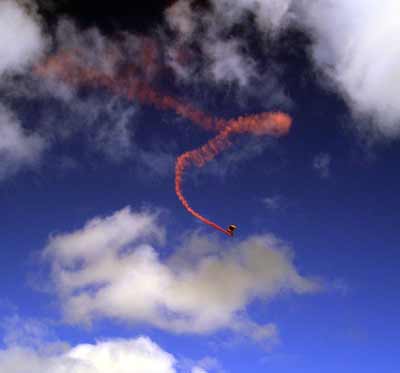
x,y
322,164
353,45
207,364
18,147
205,47
103,122
274,202
22,42
201,46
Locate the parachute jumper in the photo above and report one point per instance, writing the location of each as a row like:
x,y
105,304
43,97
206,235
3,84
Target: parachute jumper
x,y
231,229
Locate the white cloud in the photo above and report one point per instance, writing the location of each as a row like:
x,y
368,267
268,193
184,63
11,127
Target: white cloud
x,y
219,55
322,164
21,44
18,148
139,355
21,38
273,202
271,15
208,364
110,268
103,236
223,59
357,46
96,50
355,43
227,63
30,345
23,332
181,18
103,118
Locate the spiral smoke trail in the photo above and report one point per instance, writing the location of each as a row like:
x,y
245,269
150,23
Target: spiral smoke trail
x,y
69,67
273,124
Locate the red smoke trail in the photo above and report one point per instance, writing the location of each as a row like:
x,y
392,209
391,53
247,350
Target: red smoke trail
x,y
69,67
275,124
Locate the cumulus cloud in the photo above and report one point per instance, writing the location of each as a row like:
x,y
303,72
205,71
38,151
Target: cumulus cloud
x,y
18,147
140,355
111,268
30,345
356,46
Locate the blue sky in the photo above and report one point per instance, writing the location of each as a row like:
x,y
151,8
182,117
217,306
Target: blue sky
x,y
103,270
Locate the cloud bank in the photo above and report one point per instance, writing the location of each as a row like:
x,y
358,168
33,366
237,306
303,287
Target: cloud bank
x,y
111,268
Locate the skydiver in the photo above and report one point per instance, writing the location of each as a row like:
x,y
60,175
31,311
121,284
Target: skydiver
x,y
231,229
